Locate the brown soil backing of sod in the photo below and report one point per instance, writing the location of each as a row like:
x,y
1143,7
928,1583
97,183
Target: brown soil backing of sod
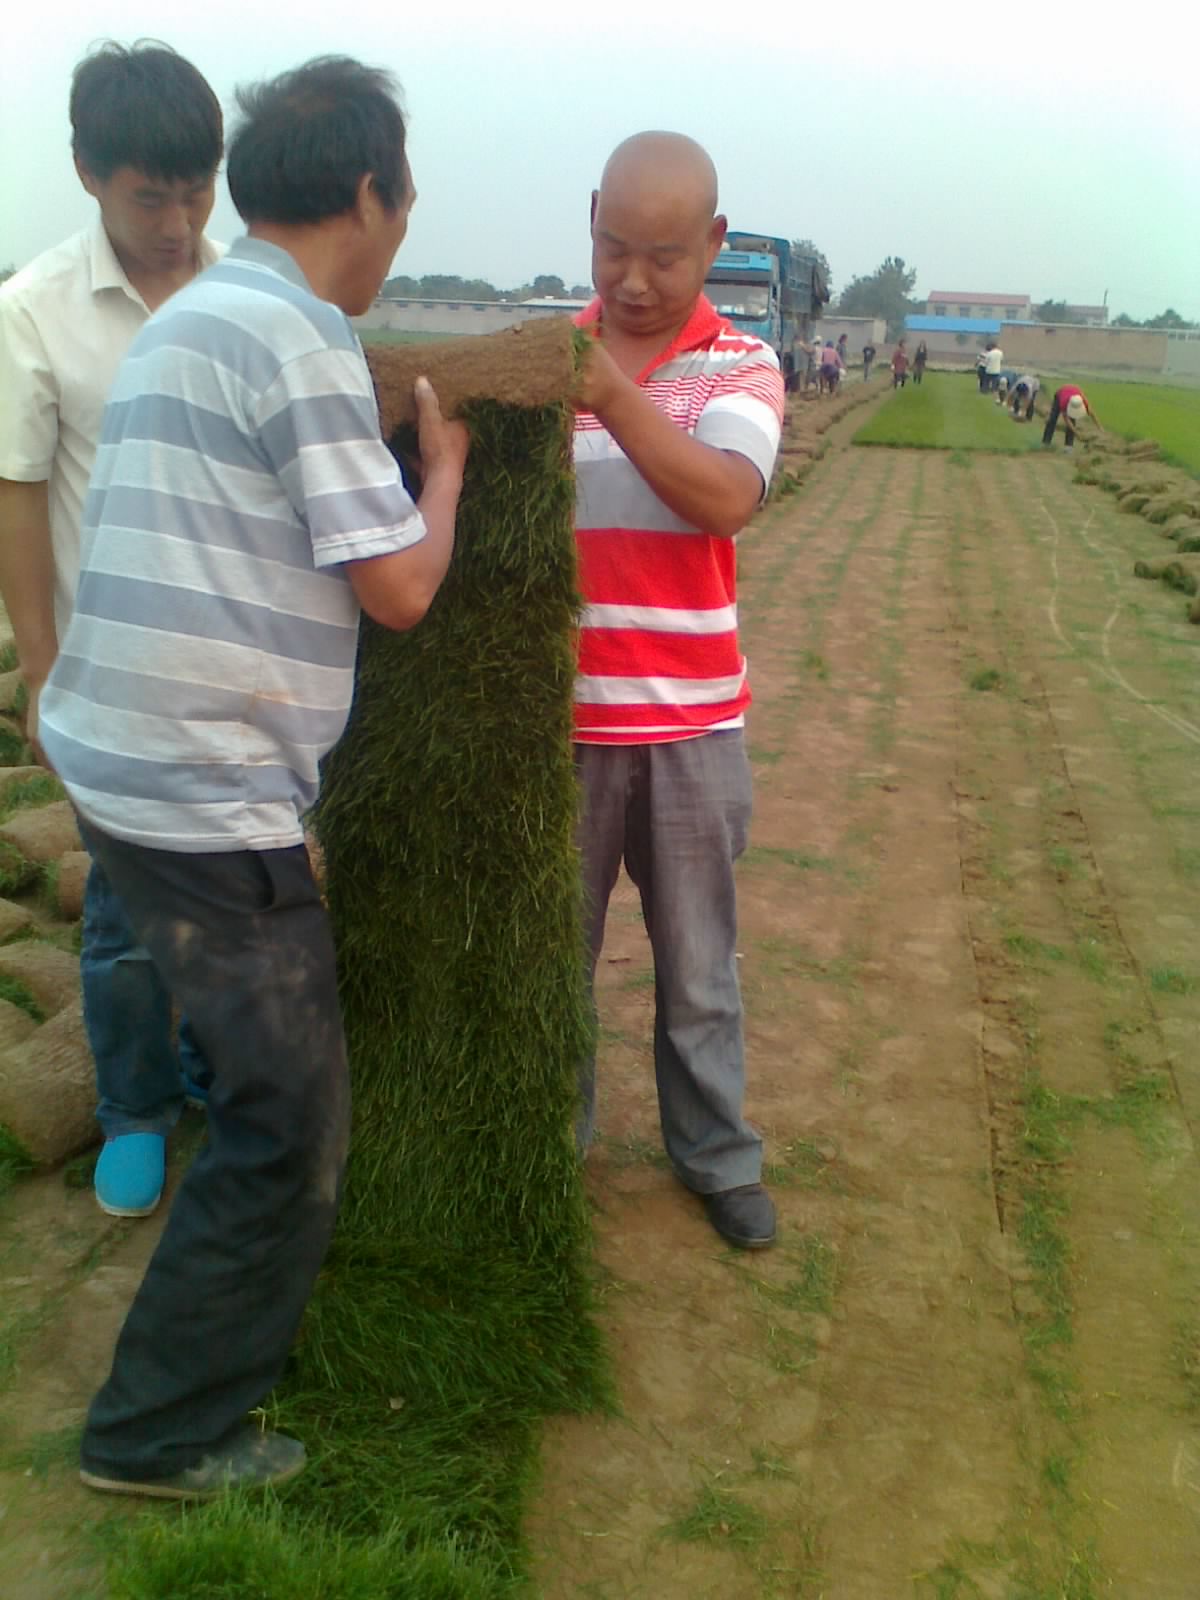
x,y
530,365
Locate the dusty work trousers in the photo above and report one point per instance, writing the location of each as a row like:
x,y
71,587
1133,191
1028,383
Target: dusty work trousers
x,y
242,941
679,815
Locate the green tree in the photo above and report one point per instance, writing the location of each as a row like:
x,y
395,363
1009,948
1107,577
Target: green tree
x,y
805,247
1125,321
1169,318
402,288
1056,311
582,291
883,293
548,286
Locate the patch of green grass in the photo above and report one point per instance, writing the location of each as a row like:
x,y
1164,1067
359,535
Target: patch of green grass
x,y
1093,961
811,1279
370,336
18,994
1056,1472
947,412
264,1551
639,980
986,678
719,1517
15,1160
1170,980
804,1164
959,458
813,661
1187,862
769,1465
1064,861
1032,952
8,657
38,790
774,855
634,1151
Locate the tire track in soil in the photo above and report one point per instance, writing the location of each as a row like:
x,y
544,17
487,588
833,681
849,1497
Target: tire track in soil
x,y
1085,1020
863,1036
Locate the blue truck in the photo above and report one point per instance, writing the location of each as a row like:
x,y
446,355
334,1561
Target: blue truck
x,y
762,285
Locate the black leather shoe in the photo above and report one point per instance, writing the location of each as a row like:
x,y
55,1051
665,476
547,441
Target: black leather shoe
x,y
744,1216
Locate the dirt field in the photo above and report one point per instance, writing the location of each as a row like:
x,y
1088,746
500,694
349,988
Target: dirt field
x,y
972,978
972,1364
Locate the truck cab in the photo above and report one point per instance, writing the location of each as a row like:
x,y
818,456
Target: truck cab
x,y
744,285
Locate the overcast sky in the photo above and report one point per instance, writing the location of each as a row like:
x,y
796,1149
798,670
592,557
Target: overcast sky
x,y
1043,149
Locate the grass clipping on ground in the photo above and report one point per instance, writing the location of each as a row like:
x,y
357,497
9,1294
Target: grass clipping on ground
x,y
454,1310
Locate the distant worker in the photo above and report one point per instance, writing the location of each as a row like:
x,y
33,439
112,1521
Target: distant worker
x,y
842,351
1024,393
832,367
1071,404
899,366
868,356
1004,385
994,366
919,360
981,369
812,372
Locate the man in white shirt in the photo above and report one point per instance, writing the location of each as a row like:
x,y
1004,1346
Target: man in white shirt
x,y
147,139
993,365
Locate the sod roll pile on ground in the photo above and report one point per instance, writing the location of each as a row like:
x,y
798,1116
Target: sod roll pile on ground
x,y
453,1313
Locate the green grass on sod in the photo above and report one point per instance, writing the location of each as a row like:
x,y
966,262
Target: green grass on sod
x,y
1150,411
947,412
453,1313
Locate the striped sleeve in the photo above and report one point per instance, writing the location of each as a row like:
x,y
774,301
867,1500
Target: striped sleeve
x,y
745,410
319,427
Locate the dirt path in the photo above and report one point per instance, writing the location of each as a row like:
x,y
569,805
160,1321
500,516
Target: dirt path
x,y
973,993
972,974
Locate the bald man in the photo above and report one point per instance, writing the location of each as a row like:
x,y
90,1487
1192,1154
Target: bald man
x,y
675,441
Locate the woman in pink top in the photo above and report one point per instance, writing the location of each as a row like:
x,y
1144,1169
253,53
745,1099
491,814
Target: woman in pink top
x,y
899,366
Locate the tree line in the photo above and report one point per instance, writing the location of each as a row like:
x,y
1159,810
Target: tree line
x,y
449,286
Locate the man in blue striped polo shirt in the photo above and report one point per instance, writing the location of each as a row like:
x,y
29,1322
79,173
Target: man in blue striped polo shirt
x,y
242,511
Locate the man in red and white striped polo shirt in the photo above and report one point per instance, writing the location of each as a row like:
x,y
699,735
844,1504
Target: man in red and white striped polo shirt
x,y
675,441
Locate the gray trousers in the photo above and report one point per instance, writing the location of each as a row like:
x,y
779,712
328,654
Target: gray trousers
x,y
679,815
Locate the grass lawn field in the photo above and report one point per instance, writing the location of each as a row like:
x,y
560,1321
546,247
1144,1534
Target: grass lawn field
x,y
1150,411
947,412
395,336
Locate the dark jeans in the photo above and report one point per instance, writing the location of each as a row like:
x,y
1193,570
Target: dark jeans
x,y
899,379
127,1012
243,942
983,381
1057,411
918,372
679,815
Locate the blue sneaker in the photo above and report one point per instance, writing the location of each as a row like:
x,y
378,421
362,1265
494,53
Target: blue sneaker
x,y
130,1173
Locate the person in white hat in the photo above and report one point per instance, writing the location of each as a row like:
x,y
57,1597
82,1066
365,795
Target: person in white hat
x,y
1071,404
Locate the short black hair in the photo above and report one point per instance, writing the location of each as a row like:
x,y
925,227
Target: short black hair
x,y
144,106
308,137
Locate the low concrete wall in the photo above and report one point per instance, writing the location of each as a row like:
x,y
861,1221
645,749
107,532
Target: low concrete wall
x,y
1057,347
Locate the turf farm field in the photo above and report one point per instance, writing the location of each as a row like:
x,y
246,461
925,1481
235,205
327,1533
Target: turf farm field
x,y
947,412
969,952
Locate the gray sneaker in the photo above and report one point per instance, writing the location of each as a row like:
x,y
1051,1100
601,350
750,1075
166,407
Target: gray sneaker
x,y
253,1460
